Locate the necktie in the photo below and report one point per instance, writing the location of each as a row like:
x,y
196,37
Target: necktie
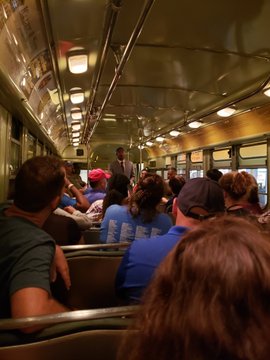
x,y
122,166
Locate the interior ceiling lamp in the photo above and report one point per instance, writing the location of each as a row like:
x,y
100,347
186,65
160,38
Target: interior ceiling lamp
x,y
75,134
75,125
76,113
160,138
174,133
76,95
77,61
109,119
267,92
195,124
226,112
149,143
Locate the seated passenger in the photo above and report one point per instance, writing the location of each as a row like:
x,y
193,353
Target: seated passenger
x,y
198,199
240,193
140,218
73,176
78,200
214,174
98,183
29,258
209,299
175,184
83,220
117,191
142,176
172,173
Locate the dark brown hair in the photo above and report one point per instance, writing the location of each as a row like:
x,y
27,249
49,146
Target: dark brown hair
x,y
239,185
38,182
147,196
210,298
117,191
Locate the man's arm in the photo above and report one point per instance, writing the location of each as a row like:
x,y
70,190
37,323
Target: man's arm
x,y
60,266
82,202
34,301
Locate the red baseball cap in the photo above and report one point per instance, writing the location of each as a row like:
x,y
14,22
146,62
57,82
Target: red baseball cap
x,y
97,175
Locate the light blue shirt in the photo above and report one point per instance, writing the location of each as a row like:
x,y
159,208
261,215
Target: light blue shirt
x,y
119,225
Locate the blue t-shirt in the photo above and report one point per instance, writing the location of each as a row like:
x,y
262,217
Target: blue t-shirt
x,y
140,261
67,201
92,195
119,225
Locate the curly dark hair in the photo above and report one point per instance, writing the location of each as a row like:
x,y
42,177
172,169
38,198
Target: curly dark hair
x,y
117,191
148,195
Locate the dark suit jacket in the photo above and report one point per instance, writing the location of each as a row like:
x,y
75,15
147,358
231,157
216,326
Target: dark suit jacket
x,y
115,168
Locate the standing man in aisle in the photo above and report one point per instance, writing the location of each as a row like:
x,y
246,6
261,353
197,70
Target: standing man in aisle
x,y
122,166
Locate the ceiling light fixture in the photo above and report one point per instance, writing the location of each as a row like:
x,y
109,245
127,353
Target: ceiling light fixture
x,y
77,61
195,124
174,133
226,112
75,125
149,143
76,113
76,95
267,92
109,119
75,134
160,138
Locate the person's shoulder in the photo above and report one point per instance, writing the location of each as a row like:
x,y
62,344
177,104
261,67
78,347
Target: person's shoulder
x,y
25,231
116,209
139,245
159,241
147,245
164,217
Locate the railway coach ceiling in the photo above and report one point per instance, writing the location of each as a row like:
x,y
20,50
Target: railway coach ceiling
x,y
151,67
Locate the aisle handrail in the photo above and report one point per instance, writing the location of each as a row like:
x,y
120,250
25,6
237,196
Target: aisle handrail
x,y
64,317
96,246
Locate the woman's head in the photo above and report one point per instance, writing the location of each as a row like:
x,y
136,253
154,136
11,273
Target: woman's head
x,y
176,184
148,195
239,186
210,298
120,183
117,191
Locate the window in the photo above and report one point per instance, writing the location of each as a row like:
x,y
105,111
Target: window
x,y
31,146
15,147
260,175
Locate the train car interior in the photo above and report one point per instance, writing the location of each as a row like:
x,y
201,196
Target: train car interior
x,y
178,83
81,78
